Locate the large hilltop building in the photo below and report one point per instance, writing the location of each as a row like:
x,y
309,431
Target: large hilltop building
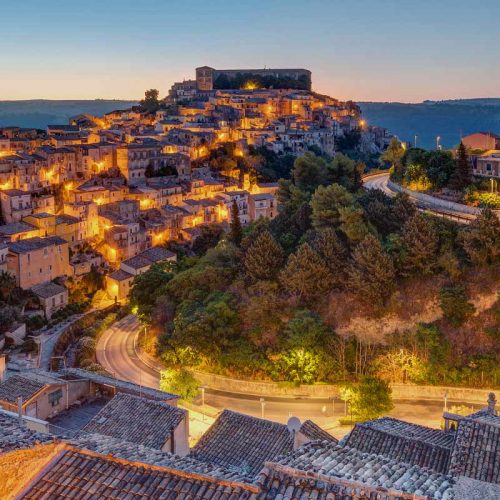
x,y
208,78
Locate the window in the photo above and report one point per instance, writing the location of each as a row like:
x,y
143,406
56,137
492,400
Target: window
x,y
55,397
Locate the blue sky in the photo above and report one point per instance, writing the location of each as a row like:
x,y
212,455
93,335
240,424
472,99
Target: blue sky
x,y
360,49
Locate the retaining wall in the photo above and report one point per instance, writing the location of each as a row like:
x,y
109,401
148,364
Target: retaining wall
x,y
399,391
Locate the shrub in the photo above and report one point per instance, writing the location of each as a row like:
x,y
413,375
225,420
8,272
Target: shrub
x,y
179,382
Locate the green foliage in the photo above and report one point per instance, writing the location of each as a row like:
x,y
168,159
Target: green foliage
x,y
306,275
148,287
393,154
369,399
8,316
371,274
240,80
326,204
420,241
210,235
264,258
235,231
349,142
179,382
462,176
481,239
455,305
299,366
150,103
309,172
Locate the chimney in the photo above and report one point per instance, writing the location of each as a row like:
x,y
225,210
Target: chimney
x,y
492,401
20,407
2,367
172,443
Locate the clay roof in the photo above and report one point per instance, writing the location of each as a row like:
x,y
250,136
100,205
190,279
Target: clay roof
x,y
30,244
119,385
242,442
106,445
314,432
403,441
138,420
19,386
47,290
476,453
76,474
319,470
15,435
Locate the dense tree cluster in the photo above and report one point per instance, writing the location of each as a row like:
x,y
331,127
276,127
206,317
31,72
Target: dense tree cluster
x,y
255,302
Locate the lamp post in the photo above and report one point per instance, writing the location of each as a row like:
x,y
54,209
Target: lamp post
x,y
416,136
445,400
262,405
333,406
202,387
438,146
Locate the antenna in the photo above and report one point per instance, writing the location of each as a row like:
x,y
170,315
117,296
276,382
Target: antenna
x,y
293,424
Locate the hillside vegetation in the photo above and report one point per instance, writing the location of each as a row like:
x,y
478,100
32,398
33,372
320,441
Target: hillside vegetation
x,y
342,284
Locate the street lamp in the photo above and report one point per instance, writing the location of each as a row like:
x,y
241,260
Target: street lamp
x,y
445,400
333,406
262,405
416,136
438,138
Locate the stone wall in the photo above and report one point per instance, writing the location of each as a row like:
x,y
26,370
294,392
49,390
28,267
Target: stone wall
x,y
399,391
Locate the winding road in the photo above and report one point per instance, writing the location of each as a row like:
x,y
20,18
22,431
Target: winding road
x,y
380,181
116,352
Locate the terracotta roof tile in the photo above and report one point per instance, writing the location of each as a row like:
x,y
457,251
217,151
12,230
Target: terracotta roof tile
x,y
137,420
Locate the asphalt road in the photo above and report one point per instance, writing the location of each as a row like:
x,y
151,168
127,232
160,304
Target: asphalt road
x,y
116,352
379,181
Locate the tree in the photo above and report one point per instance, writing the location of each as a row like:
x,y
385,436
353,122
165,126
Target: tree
x,y
394,153
150,103
8,316
421,244
299,365
346,172
481,239
179,382
371,274
306,275
352,223
7,286
149,286
333,253
455,305
264,258
326,203
461,178
371,399
236,231
309,172
209,236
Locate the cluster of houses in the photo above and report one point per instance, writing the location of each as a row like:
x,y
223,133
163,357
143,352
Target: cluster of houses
x,y
107,192
484,150
77,434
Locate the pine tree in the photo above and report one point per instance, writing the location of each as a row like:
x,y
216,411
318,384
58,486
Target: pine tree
x,y
371,274
328,246
421,244
481,239
306,275
235,231
461,178
326,202
264,258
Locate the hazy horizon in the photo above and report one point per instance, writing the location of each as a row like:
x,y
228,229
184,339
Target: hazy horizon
x,y
387,51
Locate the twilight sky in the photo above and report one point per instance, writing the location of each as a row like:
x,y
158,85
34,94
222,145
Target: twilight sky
x,y
381,50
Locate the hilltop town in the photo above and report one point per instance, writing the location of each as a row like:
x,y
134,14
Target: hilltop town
x,y
106,193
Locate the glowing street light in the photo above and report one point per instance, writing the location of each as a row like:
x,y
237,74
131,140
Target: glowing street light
x,y
438,138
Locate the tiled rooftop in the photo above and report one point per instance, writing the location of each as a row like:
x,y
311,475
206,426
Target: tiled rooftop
x,y
80,475
47,290
319,469
242,442
138,420
30,244
314,432
476,453
15,435
403,441
19,386
120,385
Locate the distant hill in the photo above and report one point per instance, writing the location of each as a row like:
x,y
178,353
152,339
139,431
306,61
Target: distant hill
x,y
448,119
39,113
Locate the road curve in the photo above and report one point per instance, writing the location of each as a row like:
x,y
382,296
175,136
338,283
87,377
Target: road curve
x,y
116,353
380,181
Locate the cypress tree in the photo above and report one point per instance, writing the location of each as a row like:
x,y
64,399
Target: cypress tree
x,y
264,258
461,178
235,231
